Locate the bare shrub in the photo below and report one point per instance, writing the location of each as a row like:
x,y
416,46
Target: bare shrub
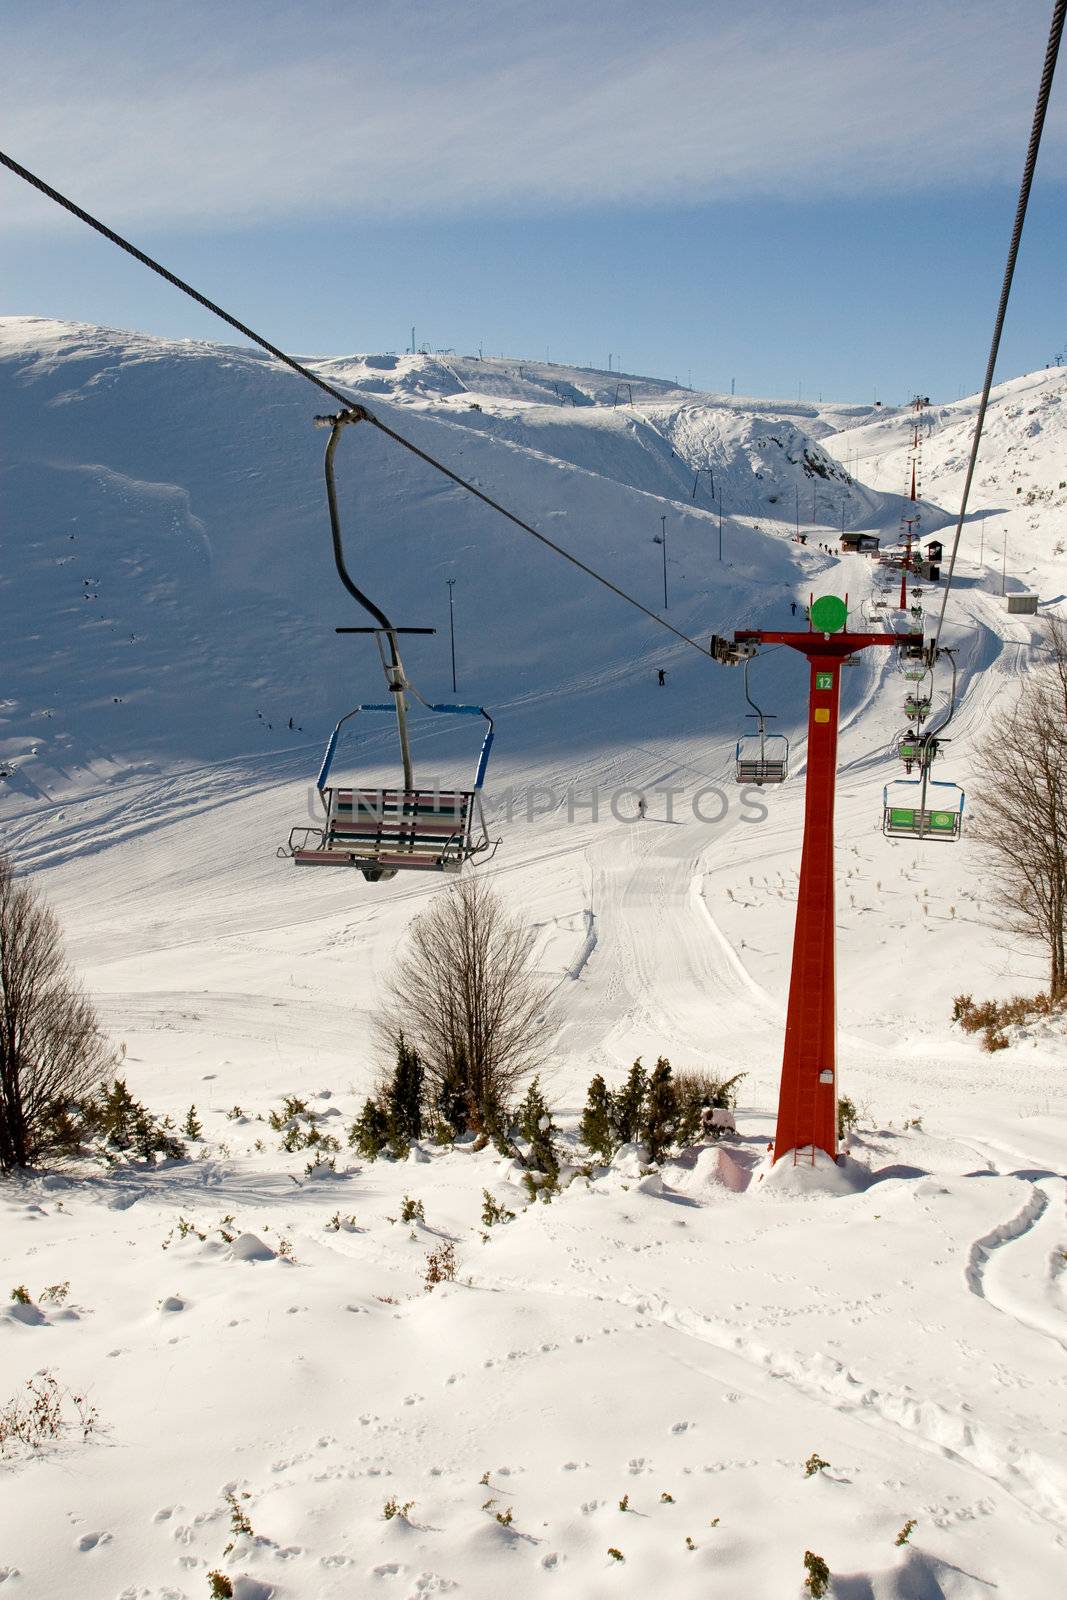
x,y
47,1411
441,1265
52,1052
1021,811
991,1017
469,1004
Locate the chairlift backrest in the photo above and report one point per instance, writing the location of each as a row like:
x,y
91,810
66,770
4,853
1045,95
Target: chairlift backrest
x,y
911,809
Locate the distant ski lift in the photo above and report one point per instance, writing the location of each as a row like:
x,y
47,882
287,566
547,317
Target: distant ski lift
x,y
915,751
911,810
917,707
760,757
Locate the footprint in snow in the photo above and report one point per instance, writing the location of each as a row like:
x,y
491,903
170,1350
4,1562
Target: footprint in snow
x,y
413,1399
89,1541
163,1514
388,1569
682,1427
245,1588
552,1560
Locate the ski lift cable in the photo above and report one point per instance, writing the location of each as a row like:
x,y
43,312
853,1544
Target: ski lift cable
x,y
1044,90
352,411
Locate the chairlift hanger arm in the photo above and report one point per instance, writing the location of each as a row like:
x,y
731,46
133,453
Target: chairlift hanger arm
x,y
336,423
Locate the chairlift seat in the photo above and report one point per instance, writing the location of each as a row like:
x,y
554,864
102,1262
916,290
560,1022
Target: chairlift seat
x,y
911,822
917,708
912,750
902,818
763,760
395,829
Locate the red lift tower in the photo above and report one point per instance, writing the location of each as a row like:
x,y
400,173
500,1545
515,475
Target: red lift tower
x,y
807,1103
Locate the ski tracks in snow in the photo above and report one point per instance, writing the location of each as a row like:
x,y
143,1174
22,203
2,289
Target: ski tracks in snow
x,y
1018,1265
1029,1478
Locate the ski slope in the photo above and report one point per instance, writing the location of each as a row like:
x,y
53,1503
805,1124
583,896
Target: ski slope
x,y
698,1332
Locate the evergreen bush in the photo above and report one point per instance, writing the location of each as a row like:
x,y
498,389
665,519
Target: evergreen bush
x,y
369,1134
628,1105
597,1128
660,1111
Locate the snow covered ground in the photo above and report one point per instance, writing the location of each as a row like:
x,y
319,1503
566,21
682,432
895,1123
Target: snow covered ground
x,y
698,1333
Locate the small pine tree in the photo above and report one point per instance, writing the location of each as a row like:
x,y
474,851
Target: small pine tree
x,y
536,1127
117,1109
453,1103
370,1131
818,1579
124,1124
597,1130
191,1126
628,1104
660,1112
847,1116
405,1092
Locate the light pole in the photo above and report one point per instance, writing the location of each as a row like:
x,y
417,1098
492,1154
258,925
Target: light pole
x,y
452,630
663,541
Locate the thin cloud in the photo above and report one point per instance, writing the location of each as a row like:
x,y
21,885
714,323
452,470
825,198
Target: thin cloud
x,y
238,115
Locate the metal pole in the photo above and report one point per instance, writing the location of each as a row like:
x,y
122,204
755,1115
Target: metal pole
x,y
452,631
720,522
796,493
663,525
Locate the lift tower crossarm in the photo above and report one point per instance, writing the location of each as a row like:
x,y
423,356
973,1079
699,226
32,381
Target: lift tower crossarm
x,y
807,1104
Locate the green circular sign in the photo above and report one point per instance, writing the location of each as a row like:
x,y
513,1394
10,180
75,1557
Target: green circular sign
x,y
828,614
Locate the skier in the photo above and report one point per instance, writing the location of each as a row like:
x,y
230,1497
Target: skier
x,y
661,674
793,608
642,807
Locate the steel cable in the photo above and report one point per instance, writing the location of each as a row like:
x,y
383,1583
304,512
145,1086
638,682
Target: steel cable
x,y
1043,93
357,412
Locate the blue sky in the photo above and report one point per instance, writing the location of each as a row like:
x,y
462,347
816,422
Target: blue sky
x,y
801,197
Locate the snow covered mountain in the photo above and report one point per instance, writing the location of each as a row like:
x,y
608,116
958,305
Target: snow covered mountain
x,y
686,1337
